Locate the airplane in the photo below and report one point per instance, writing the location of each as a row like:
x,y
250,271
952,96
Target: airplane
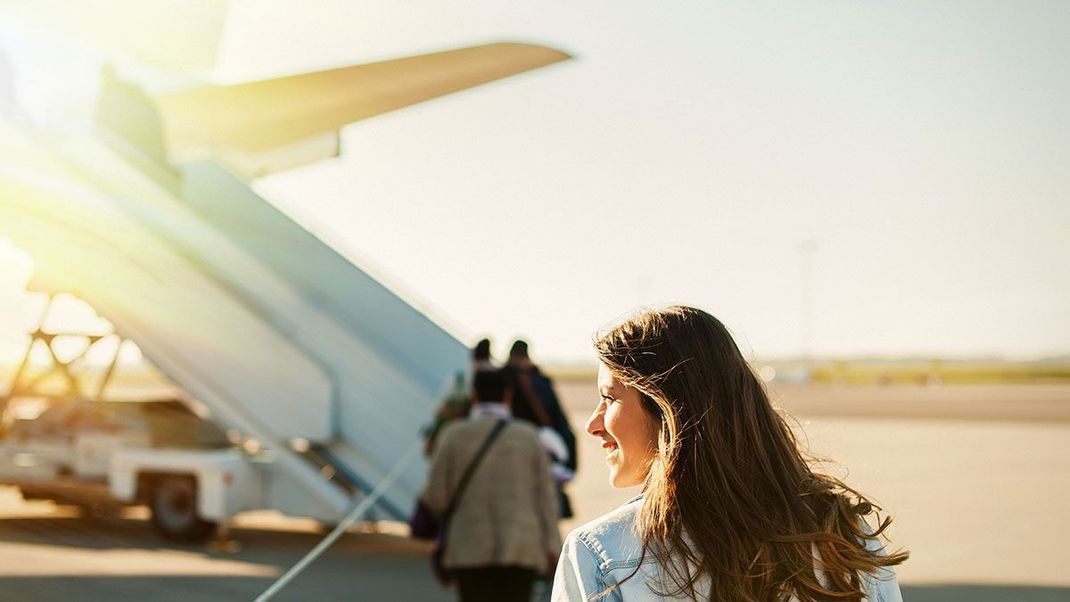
x,y
148,214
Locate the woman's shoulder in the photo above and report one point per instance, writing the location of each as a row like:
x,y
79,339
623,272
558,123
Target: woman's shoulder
x,y
600,558
612,537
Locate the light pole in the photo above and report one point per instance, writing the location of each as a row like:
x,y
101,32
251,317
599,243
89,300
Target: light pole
x,y
806,249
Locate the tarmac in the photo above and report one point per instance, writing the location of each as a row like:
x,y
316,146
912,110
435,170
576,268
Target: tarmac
x,y
977,479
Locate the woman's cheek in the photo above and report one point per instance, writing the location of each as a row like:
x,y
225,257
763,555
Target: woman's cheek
x,y
613,422
610,420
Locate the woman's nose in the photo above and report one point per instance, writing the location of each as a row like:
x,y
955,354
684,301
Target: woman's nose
x,y
594,424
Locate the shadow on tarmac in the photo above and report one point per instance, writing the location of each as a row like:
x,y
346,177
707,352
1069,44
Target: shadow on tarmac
x,y
359,566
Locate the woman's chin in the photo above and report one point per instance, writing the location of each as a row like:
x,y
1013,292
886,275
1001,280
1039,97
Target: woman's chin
x,y
624,477
620,480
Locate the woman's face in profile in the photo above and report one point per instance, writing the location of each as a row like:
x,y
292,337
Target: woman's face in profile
x,y
627,432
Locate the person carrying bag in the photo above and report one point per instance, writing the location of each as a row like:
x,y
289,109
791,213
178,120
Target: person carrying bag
x,y
496,529
443,575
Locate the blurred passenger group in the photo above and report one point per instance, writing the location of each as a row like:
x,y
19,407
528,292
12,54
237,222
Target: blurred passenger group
x,y
501,453
530,396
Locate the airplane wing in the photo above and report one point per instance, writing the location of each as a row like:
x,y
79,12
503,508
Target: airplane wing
x,y
271,125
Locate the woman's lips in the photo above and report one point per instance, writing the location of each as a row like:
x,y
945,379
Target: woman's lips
x,y
609,446
612,453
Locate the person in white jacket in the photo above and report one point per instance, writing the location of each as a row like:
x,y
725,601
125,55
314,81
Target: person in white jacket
x,y
730,509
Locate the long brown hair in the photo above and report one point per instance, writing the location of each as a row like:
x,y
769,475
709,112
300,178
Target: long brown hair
x,y
730,500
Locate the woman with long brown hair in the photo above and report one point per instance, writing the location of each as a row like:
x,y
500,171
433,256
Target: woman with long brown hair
x,y
731,510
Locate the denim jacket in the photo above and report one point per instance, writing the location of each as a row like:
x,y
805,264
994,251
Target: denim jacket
x,y
605,551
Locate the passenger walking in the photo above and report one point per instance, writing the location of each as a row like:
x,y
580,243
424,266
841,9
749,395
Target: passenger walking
x,y
481,359
730,509
502,530
459,401
542,389
535,390
526,403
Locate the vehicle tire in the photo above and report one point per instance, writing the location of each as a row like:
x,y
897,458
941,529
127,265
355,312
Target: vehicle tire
x,y
173,502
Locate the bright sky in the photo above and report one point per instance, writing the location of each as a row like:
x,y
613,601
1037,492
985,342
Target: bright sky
x,y
687,153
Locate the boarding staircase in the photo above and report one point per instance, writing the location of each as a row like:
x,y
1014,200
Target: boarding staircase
x,y
151,219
